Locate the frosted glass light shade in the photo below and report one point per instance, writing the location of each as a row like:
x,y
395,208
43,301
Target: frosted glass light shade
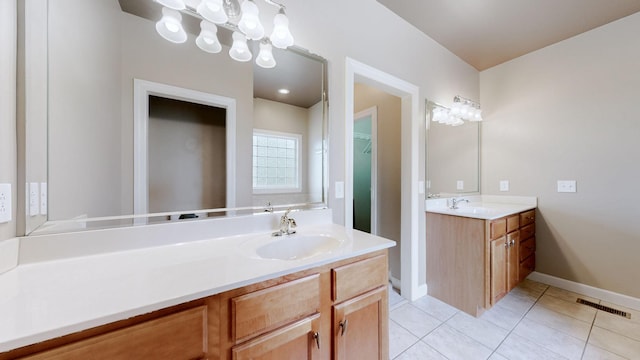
x,y
172,4
250,23
477,116
239,50
281,36
170,26
208,38
213,11
265,56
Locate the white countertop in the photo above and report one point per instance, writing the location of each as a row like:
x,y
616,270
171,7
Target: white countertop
x,y
483,206
47,299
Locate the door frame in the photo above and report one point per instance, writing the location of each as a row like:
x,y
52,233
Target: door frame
x,y
373,112
142,89
410,126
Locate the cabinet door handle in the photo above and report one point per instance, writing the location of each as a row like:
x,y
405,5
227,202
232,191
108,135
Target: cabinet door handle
x,y
343,326
316,336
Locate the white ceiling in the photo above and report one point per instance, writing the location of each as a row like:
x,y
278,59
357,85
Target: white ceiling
x,y
485,33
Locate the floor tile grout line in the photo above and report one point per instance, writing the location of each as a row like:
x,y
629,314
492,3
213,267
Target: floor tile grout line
x,y
589,336
519,321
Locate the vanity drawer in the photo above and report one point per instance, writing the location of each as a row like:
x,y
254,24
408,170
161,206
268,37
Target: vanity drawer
x,y
261,311
182,335
527,266
513,223
527,248
359,277
527,217
527,231
497,228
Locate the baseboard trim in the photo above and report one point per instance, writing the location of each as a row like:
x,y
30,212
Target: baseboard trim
x,y
602,294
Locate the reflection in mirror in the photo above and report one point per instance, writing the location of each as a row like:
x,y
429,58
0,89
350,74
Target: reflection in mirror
x,y
98,49
453,156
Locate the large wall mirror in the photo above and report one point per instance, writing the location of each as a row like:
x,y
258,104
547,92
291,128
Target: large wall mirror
x,y
453,156
141,130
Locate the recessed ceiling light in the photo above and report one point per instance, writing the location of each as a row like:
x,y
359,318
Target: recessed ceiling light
x,y
284,91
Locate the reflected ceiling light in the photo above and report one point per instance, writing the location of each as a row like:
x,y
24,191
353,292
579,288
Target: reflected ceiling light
x,y
265,56
243,19
284,91
250,23
462,109
281,36
170,26
239,50
212,10
208,38
172,4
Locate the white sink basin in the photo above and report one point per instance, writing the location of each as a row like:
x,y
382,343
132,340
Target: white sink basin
x,y
472,210
298,246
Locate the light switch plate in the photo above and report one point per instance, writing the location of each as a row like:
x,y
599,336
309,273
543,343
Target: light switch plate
x,y
420,187
504,185
567,186
5,203
34,198
460,185
339,190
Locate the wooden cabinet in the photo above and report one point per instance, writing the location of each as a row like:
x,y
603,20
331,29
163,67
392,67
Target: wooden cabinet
x,y
338,310
360,313
473,263
178,336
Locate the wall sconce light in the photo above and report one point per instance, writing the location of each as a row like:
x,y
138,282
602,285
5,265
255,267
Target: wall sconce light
x,y
243,20
461,110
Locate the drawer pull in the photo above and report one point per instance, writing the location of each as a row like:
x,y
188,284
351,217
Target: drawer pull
x,y
316,336
343,326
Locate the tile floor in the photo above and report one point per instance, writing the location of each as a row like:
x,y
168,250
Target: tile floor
x,y
534,321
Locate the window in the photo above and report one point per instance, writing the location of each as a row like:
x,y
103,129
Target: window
x,y
276,162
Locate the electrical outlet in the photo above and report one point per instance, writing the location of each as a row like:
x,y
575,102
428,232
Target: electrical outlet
x,y
5,203
43,198
339,190
460,185
34,199
567,186
504,185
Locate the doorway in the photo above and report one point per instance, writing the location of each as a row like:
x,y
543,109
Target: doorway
x,y
365,170
412,286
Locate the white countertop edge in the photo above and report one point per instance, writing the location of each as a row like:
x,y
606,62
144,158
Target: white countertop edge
x,y
500,205
366,243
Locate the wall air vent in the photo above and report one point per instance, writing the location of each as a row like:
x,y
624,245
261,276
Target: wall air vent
x,y
604,308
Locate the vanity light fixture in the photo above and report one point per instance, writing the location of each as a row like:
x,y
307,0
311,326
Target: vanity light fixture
x,y
243,19
170,26
461,110
265,56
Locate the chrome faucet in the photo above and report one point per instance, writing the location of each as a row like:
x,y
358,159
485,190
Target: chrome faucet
x,y
455,202
287,225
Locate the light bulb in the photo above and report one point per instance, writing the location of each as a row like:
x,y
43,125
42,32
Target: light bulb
x,y
250,22
208,38
170,26
172,4
265,57
213,11
478,115
281,36
239,50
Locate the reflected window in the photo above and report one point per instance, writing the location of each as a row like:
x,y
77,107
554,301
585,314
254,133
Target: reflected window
x,y
276,162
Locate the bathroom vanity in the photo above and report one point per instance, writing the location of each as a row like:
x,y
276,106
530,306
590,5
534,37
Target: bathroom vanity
x,y
218,298
480,251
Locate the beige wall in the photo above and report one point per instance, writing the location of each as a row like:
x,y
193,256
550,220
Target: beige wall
x,y
570,112
388,174
8,149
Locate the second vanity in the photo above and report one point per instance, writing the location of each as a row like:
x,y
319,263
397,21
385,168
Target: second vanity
x,y
218,298
479,251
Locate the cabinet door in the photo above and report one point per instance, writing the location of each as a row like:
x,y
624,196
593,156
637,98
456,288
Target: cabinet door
x,y
297,341
360,327
498,269
513,260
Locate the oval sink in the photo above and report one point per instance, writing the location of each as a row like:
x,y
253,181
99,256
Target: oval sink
x,y
473,210
295,247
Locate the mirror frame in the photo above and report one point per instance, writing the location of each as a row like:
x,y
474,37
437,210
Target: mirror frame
x,y
32,119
